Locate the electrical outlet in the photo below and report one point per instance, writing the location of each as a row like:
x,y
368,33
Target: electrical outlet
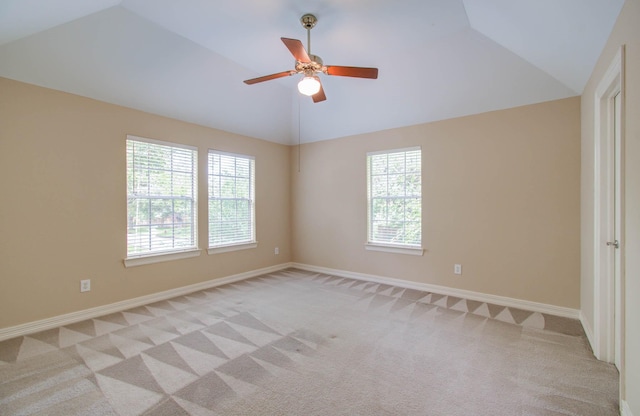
x,y
276,251
457,268
85,285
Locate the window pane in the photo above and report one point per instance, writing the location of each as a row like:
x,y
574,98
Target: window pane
x,y
413,185
182,211
137,211
215,186
138,181
215,210
242,188
228,187
396,185
413,232
183,234
413,209
242,168
379,209
227,166
243,209
379,185
138,238
413,163
181,182
379,164
396,163
159,182
214,164
396,209
385,232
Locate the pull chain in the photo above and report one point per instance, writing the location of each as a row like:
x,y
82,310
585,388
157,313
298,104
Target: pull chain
x,y
299,133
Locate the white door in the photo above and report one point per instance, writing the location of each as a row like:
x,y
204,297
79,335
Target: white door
x,y
617,227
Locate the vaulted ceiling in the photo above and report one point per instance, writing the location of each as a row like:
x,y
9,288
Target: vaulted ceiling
x,y
187,59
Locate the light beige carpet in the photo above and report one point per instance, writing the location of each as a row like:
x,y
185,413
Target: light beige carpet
x,y
302,343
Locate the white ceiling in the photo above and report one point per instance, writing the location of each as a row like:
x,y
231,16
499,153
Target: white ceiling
x,y
187,59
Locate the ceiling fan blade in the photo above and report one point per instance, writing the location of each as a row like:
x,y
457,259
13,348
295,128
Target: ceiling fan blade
x,y
297,49
319,96
352,71
269,77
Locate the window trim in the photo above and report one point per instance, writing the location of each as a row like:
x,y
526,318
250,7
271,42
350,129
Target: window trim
x,y
172,254
397,249
410,249
160,257
241,245
232,247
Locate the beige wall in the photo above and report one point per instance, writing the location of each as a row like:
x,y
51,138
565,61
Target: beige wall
x,y
626,32
501,196
63,208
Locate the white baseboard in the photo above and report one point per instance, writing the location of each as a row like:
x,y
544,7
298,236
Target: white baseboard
x,y
624,409
588,330
73,317
448,291
70,318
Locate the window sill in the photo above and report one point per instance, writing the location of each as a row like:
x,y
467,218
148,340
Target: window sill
x,y
157,258
234,247
414,251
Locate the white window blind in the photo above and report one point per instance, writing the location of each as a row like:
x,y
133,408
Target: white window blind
x,y
231,199
395,197
161,197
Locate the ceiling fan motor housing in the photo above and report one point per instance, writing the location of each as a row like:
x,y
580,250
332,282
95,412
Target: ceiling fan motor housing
x,y
310,68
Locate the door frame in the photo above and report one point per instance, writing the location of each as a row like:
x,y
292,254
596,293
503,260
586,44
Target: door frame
x,y
604,260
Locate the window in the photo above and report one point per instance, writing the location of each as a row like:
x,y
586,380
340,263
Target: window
x,y
395,200
231,202
161,197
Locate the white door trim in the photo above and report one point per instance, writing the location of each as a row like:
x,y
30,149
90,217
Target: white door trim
x,y
604,214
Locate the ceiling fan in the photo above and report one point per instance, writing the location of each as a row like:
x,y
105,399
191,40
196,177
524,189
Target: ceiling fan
x,y
309,65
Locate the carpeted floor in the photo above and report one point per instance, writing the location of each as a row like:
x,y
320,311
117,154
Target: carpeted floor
x,y
302,343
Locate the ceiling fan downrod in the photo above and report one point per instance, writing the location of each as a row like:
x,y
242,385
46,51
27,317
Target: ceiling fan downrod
x,y
308,21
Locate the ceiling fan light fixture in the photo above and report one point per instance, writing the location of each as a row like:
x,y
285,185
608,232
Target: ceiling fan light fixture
x,y
309,85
